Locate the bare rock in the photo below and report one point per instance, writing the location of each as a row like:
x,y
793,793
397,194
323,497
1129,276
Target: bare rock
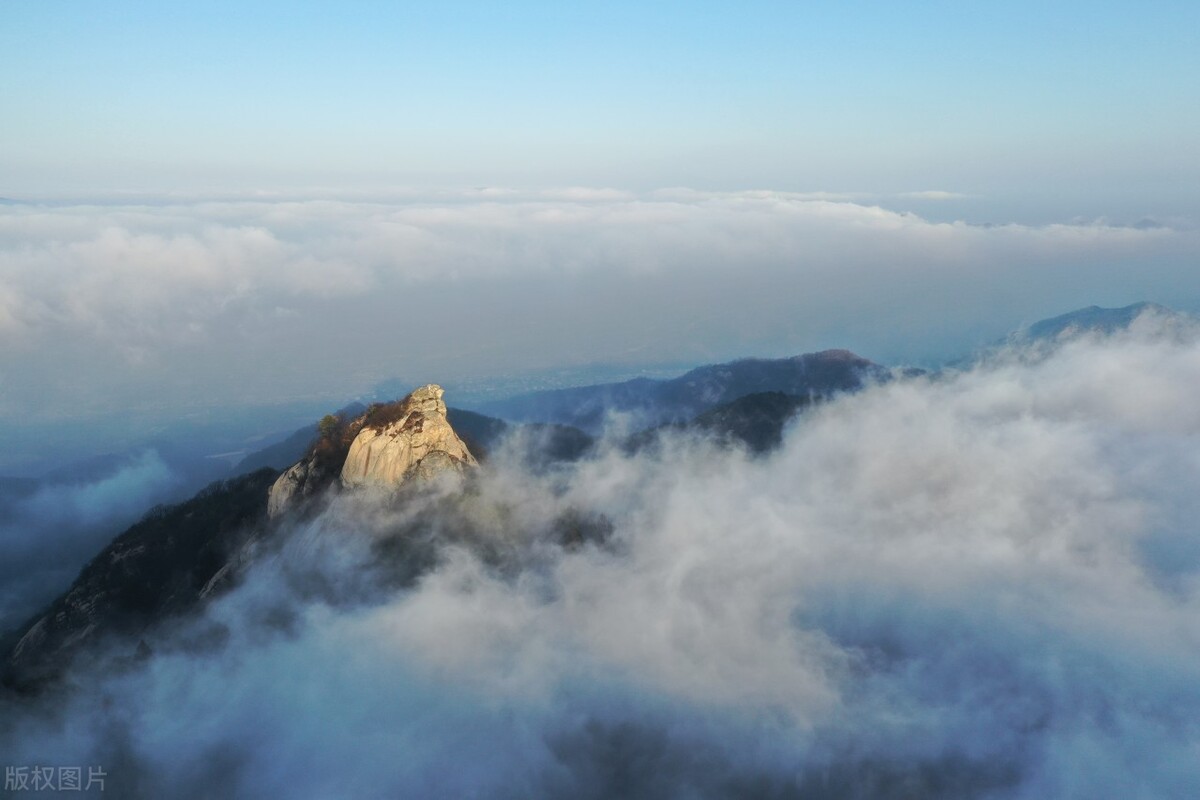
x,y
285,488
410,439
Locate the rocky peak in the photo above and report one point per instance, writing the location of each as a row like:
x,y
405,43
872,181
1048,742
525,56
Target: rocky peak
x,y
387,446
410,439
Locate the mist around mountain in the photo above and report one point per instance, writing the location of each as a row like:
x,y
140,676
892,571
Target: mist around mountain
x,y
50,526
755,421
159,568
978,583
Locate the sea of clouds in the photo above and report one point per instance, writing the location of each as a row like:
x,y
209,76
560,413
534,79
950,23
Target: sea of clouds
x,y
127,302
984,583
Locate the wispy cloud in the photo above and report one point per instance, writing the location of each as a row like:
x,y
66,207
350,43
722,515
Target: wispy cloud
x,y
935,194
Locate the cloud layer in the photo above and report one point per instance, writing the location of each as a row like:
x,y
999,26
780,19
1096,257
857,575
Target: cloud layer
x,y
985,584
199,301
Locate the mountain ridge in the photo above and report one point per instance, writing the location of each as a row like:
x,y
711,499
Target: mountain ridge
x,y
662,401
1093,318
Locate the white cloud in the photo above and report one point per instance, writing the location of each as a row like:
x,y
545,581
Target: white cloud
x,y
85,263
946,584
188,290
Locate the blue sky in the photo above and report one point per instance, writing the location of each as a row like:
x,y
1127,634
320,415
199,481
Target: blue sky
x,y
1074,108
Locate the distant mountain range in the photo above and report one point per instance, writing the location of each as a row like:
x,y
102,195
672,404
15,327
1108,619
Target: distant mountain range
x,y
653,402
1092,319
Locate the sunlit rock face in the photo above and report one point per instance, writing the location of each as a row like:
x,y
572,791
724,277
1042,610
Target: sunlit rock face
x,y
389,445
410,439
